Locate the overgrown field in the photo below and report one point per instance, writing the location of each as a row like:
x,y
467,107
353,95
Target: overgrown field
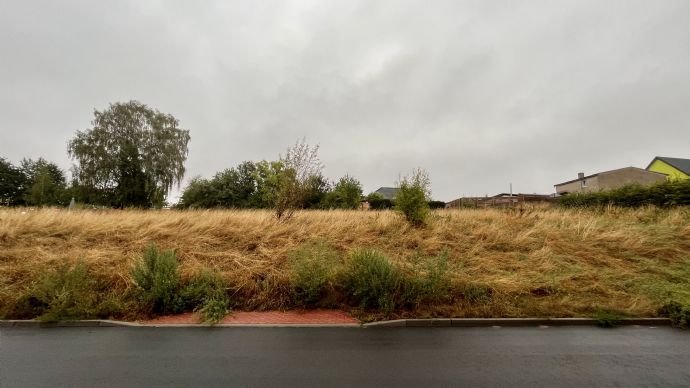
x,y
465,263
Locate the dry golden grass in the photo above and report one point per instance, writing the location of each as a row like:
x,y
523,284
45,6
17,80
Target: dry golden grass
x,y
538,262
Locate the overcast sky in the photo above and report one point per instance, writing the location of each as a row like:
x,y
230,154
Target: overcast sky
x,y
479,93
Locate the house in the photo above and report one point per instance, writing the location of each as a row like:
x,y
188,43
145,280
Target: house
x,y
502,199
674,168
608,180
388,192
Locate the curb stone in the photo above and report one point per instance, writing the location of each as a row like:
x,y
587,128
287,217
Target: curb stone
x,y
435,322
111,323
513,322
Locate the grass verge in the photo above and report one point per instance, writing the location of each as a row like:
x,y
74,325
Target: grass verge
x,y
542,262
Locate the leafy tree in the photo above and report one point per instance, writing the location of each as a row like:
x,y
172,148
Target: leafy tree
x,y
299,163
346,194
45,183
289,195
317,190
231,188
198,194
304,160
12,183
234,187
267,176
133,154
412,199
378,202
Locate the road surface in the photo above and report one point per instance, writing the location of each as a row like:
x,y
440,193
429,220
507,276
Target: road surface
x,y
328,357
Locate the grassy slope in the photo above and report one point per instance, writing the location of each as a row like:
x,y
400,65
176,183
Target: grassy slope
x,y
540,262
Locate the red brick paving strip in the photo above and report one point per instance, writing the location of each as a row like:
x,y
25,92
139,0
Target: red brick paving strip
x,y
266,318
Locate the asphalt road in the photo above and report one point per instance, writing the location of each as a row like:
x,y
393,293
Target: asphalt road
x,y
327,357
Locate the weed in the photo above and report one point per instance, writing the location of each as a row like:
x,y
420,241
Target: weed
x,y
312,268
214,309
679,314
206,284
158,281
69,293
430,283
607,318
372,280
206,294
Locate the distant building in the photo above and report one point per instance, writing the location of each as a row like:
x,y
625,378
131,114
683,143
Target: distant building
x,y
388,192
502,199
608,180
674,168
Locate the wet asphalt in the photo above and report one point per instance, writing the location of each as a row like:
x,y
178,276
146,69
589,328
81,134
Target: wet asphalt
x,y
330,357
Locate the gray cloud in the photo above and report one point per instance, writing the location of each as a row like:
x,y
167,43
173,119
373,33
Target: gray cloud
x,y
479,93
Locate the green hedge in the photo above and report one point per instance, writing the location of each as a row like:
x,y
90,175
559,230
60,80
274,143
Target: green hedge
x,y
665,194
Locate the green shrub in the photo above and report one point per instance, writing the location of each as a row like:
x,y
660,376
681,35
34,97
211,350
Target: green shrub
x,y
214,309
378,202
679,314
312,268
346,194
437,205
412,198
664,194
206,294
158,281
372,280
69,293
204,285
607,318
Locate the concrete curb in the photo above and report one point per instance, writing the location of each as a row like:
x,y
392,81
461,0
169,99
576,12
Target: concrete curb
x,y
435,322
82,323
109,323
513,322
294,325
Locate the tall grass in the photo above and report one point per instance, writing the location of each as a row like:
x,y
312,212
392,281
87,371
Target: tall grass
x,y
534,262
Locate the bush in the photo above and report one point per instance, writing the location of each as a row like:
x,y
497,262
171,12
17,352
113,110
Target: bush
x,y
679,314
214,309
68,293
202,286
312,268
378,202
607,318
206,294
437,205
158,281
664,194
412,199
346,194
372,280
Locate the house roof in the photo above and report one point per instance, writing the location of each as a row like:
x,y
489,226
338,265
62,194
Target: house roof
x,y
388,192
499,195
681,164
605,172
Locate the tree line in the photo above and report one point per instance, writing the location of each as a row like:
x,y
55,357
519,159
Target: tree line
x,y
133,155
33,183
266,184
664,194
